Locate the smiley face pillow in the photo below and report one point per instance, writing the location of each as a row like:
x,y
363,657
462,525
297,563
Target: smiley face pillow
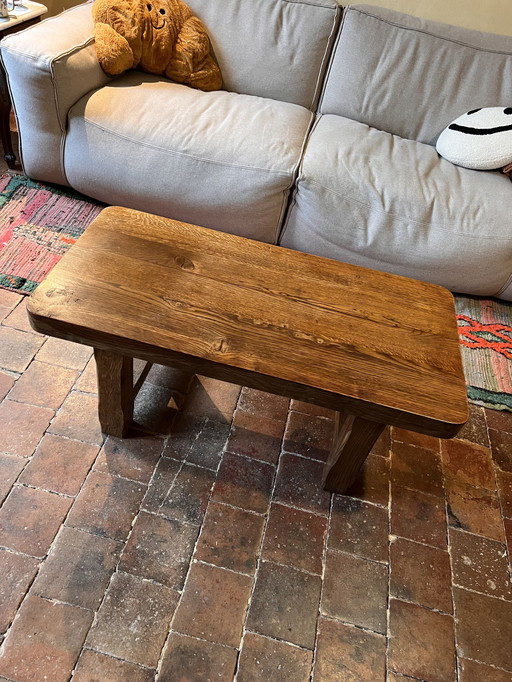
x,y
162,37
480,139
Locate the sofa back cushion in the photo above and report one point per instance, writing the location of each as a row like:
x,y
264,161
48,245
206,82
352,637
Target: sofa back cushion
x,y
271,48
411,76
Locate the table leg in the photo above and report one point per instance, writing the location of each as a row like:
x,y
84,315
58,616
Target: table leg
x,y
354,437
115,392
5,111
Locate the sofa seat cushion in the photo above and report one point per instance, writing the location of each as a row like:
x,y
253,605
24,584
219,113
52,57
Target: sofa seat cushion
x,y
374,199
218,159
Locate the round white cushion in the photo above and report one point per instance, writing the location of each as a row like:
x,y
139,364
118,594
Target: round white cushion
x,y
480,139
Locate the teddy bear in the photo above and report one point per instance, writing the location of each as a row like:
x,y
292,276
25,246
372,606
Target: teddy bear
x,y
162,37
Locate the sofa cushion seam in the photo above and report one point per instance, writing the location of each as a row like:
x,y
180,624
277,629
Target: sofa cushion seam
x,y
395,216
175,152
428,33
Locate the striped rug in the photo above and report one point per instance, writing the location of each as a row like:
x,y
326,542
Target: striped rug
x,y
38,224
485,332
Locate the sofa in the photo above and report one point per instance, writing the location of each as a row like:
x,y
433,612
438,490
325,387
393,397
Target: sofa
x,y
322,138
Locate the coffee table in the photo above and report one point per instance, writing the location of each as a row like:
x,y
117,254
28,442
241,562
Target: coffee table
x,y
377,348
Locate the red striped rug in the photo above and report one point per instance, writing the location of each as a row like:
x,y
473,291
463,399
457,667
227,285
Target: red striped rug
x,y
38,224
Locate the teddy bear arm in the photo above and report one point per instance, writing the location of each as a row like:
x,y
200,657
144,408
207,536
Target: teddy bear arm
x,y
191,62
113,50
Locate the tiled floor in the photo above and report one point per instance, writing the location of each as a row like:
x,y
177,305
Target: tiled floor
x,y
212,553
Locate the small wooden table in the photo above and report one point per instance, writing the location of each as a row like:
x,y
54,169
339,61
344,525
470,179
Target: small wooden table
x,y
377,348
22,16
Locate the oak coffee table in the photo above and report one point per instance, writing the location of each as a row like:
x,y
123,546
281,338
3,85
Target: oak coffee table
x,y
377,348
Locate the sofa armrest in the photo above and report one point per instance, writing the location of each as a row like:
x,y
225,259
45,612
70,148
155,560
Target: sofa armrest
x,y
49,67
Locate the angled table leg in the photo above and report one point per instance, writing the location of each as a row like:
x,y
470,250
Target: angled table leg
x,y
354,437
115,391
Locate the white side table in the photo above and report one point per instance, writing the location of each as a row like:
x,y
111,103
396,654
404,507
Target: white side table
x,y
23,16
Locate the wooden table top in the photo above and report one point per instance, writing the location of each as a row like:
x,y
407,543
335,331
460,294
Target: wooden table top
x,y
382,346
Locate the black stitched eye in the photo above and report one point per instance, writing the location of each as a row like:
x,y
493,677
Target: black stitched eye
x,y
149,7
507,111
162,11
473,111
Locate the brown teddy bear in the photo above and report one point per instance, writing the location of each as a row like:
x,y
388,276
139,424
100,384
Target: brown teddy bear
x,y
158,36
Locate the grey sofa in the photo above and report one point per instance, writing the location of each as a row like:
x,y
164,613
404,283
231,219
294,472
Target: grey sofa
x,y
322,140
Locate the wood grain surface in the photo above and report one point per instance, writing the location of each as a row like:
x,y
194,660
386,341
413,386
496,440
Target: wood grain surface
x,y
380,346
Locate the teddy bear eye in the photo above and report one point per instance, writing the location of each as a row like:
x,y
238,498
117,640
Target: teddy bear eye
x,y
162,11
149,7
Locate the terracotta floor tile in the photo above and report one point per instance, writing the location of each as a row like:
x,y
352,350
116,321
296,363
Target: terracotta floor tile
x,y
194,660
262,658
78,418
10,469
475,429
106,506
417,468
6,383
133,457
483,628
44,641
213,605
17,348
355,591
255,436
422,643
95,667
44,385
65,353
420,574
501,446
207,448
230,538
499,420
471,671
59,464
213,399
372,482
348,653
418,517
468,463
88,380
508,537
17,571
262,404
480,564
299,483
198,440
133,620
244,482
18,317
188,495
284,604
309,408
413,438
308,436
504,479
476,510
22,427
159,549
359,528
78,569
295,538
10,299
161,482
30,519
